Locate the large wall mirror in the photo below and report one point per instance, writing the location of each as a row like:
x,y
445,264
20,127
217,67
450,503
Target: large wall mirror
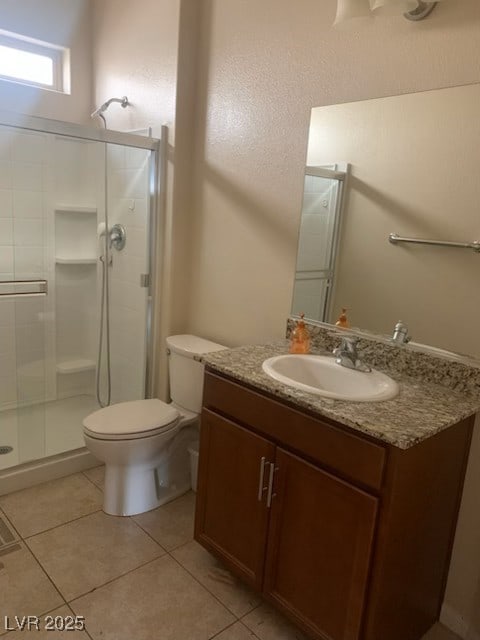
x,y
407,165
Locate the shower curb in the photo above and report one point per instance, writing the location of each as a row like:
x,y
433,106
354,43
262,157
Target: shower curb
x,y
33,473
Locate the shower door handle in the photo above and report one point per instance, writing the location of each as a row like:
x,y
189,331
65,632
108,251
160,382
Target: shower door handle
x,y
23,288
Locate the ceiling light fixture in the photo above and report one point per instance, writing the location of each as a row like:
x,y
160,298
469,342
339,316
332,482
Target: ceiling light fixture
x,y
354,11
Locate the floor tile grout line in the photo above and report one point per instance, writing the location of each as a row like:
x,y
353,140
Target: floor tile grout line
x,y
147,533
122,575
92,481
61,524
179,546
207,589
85,628
232,625
45,572
253,634
260,604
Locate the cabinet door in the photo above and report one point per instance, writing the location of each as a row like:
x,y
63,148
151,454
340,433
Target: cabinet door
x,y
231,518
319,548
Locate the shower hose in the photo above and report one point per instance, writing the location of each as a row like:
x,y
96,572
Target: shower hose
x,y
104,333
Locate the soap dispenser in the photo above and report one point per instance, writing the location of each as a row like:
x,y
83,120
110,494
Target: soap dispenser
x,y
342,321
300,338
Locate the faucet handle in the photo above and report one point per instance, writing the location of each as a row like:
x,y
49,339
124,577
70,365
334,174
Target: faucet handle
x,y
347,356
348,344
400,333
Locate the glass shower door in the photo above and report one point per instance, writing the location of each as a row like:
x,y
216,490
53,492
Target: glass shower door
x,y
24,304
63,200
129,193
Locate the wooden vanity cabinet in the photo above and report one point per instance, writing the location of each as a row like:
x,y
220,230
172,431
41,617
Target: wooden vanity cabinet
x,y
320,541
234,521
351,538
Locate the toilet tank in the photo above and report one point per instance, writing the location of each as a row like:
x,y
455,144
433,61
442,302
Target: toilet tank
x,y
185,370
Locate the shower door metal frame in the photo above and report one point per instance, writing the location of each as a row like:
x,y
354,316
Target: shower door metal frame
x,y
158,177
157,172
72,130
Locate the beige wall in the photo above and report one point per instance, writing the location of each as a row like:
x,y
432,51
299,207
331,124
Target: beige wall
x,y
136,54
411,172
147,50
263,66
67,24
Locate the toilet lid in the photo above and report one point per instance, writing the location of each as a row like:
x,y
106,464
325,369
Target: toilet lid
x,y
137,418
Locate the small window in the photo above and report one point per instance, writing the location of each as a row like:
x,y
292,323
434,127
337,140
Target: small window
x,y
33,62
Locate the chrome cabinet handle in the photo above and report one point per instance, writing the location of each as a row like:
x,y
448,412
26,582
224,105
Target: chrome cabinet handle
x,y
261,488
270,493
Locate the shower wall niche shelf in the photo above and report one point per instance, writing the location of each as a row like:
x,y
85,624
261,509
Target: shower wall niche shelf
x,y
69,208
75,366
77,261
75,234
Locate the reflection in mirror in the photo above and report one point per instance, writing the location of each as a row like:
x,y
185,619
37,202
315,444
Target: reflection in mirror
x,y
317,240
412,171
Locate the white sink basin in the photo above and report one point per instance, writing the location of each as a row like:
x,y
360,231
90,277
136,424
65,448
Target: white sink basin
x,y
323,376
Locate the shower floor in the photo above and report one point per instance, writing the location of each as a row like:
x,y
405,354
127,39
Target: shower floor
x,y
44,430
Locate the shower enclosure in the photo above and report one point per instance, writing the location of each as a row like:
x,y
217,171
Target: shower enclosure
x,y
63,188
318,241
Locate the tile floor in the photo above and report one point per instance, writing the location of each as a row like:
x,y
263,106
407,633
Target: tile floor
x,y
138,578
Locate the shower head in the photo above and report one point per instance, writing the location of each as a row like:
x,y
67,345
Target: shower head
x,y
102,108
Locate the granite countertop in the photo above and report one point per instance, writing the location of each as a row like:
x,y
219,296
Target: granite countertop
x,y
421,409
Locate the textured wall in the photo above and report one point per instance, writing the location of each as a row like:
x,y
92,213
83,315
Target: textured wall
x,y
135,54
58,22
263,66
146,50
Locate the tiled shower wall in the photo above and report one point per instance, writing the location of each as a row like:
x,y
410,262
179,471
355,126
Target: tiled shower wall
x,y
26,252
78,208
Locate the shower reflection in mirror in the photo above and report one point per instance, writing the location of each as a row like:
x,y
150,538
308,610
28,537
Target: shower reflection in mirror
x,y
319,231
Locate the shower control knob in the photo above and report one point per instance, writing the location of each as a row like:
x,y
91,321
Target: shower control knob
x,y
118,237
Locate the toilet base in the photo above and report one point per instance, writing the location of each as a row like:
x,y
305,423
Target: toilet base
x,y
131,489
129,492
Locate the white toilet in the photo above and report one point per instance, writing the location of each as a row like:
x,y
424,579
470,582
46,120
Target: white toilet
x,y
144,443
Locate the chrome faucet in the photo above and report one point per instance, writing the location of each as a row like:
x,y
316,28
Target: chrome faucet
x,y
346,355
400,333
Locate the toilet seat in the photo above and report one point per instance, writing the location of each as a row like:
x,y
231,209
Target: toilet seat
x,y
132,420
